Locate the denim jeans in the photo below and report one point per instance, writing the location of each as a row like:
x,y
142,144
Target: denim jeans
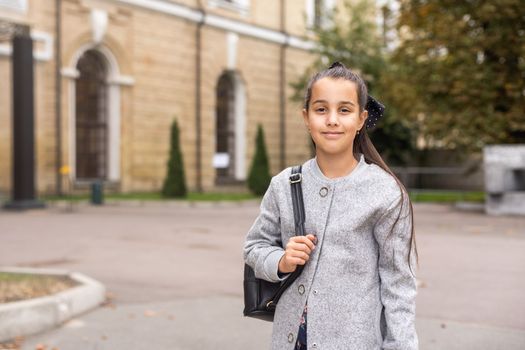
x,y
301,335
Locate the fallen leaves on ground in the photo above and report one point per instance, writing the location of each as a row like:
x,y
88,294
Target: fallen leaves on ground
x,y
109,301
15,344
22,286
150,313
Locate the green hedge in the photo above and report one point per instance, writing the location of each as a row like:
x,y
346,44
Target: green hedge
x,y
175,182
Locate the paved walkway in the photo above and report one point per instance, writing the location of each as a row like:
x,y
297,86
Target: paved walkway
x,y
175,276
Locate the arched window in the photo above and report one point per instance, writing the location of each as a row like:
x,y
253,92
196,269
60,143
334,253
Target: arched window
x,y
225,129
91,127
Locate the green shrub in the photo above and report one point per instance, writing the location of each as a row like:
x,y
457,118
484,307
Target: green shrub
x,y
259,177
175,182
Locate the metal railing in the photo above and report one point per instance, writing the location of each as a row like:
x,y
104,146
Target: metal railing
x,y
404,172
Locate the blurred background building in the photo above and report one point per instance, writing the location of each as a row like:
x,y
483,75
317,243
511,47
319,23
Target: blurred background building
x,y
123,70
128,68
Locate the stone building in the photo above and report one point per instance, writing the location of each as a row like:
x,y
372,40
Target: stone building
x,y
127,68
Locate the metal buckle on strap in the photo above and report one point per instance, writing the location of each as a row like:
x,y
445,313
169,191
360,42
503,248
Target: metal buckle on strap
x,y
295,178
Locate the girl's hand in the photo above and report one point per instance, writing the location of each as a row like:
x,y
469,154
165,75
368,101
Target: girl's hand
x,y
297,252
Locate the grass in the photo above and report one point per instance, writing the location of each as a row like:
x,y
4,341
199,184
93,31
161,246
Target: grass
x,y
424,196
221,196
21,286
154,196
14,277
434,196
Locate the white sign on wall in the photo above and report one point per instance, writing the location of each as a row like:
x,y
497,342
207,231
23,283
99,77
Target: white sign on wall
x,y
221,160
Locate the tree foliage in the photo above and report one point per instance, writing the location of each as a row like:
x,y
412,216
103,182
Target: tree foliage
x,y
465,64
354,37
455,77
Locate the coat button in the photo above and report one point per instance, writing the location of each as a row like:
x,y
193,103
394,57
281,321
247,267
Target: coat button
x,y
323,191
314,345
290,338
316,291
301,289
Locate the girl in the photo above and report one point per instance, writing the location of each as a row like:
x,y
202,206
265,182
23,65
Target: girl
x,y
357,289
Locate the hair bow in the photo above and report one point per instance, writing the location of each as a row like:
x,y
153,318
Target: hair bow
x,y
375,111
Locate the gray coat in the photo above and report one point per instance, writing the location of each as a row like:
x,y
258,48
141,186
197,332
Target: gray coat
x,y
359,288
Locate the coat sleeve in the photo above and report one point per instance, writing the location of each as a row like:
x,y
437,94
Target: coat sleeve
x,y
398,284
263,245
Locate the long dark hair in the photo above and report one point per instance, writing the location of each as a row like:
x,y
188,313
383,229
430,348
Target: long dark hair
x,y
362,143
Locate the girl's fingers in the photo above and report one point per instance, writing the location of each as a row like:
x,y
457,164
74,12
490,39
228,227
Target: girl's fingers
x,y
296,258
298,261
300,254
304,239
301,247
312,238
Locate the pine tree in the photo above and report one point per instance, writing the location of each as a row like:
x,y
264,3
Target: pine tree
x,y
259,178
175,183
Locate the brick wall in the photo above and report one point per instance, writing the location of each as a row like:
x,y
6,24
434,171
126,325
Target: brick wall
x,y
158,52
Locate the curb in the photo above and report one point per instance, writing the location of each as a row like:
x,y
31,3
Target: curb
x,y
21,318
470,207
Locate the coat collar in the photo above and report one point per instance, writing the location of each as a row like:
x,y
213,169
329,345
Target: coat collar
x,y
313,166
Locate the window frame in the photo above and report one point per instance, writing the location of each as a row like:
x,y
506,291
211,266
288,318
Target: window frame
x,y
317,12
14,5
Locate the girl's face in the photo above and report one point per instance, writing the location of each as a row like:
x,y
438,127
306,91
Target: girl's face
x,y
333,117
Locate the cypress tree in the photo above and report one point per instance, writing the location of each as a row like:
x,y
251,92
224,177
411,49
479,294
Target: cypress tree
x,y
259,177
175,183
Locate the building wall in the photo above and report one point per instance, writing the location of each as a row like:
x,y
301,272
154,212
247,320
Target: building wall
x,y
295,16
41,17
298,142
5,124
164,72
155,55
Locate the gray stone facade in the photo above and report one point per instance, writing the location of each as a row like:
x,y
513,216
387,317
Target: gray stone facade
x,y
505,179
